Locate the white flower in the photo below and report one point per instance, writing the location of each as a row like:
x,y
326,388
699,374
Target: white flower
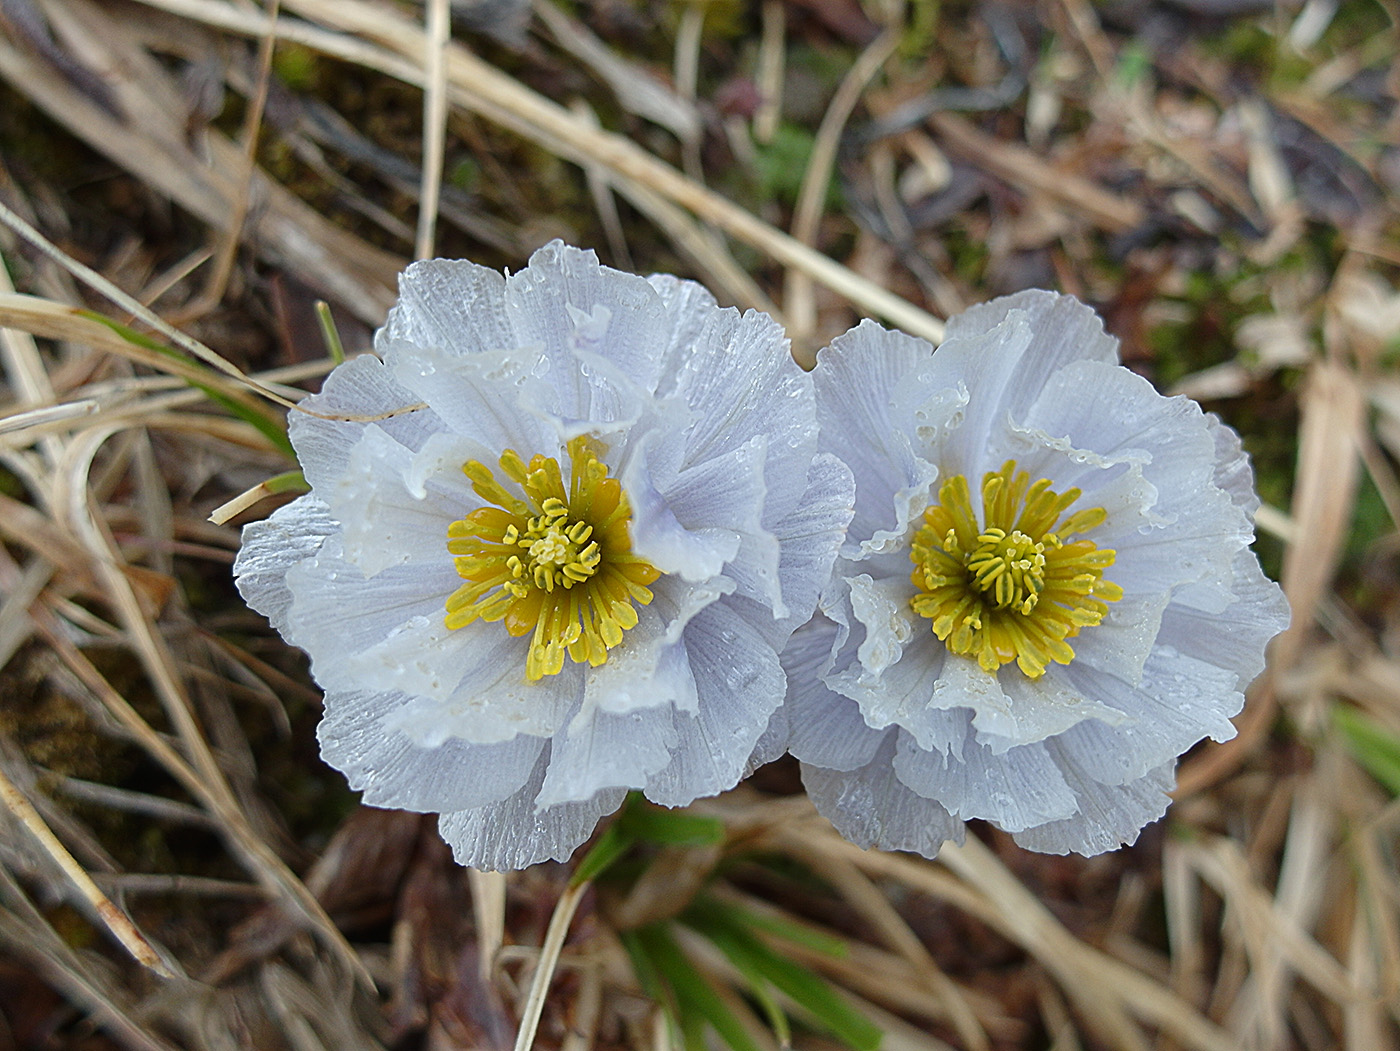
x,y
570,571
1046,594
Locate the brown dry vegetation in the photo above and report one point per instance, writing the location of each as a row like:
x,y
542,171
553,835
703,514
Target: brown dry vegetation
x,y
1221,178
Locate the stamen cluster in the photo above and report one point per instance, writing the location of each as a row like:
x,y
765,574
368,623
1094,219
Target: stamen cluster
x,y
1013,588
553,560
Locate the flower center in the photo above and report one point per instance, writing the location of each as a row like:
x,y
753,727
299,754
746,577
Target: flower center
x,y
1015,587
554,560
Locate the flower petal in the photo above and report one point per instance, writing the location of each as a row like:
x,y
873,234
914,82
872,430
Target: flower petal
x,y
858,380
291,534
359,739
337,611
739,682
1016,789
514,833
1109,816
383,521
480,396
1179,701
1232,636
450,305
873,808
607,751
823,728
565,301
361,387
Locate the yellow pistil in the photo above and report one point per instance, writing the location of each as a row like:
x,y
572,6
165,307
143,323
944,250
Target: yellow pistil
x,y
1015,587
553,560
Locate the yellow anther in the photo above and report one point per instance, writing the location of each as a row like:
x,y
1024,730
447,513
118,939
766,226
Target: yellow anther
x,y
554,563
1012,587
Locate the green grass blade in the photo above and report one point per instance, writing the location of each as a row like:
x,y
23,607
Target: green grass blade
x,y
1375,747
271,427
611,845
671,827
329,333
732,935
696,999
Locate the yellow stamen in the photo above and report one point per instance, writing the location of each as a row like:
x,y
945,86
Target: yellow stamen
x,y
555,562
1014,587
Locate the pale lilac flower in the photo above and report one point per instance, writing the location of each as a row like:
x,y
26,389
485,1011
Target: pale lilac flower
x,y
570,571
1045,597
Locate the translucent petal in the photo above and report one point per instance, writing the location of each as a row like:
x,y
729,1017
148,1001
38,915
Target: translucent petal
x,y
1232,636
363,387
338,612
383,522
607,751
514,833
291,534
481,396
1109,816
449,305
857,379
358,738
565,301
823,728
873,808
1016,790
728,493
739,682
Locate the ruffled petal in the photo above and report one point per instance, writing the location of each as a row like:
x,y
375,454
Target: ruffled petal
x,y
449,305
823,728
475,675
384,521
1017,789
358,737
338,612
566,301
1179,701
291,534
1109,816
363,388
607,751
873,808
480,396
739,682
514,833
740,382
1233,636
858,380
727,493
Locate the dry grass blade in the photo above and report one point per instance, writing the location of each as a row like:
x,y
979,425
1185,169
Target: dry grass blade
x,y
557,931
151,142
1324,495
116,921
797,296
484,89
880,917
434,125
1107,992
50,957
1221,189
52,320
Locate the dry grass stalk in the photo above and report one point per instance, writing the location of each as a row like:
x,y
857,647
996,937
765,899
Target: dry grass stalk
x,y
150,141
116,921
484,89
1309,958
